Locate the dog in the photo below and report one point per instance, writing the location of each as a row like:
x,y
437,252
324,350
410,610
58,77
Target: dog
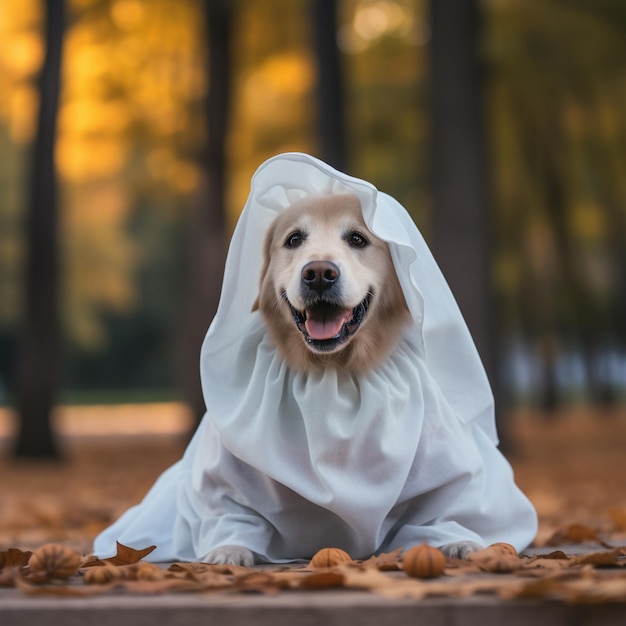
x,y
329,293
346,401
330,298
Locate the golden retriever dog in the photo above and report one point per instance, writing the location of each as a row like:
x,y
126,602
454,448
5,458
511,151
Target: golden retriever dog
x,y
346,402
329,293
330,297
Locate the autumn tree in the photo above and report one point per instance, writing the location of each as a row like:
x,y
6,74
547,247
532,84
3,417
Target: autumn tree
x,y
461,229
208,219
39,344
330,84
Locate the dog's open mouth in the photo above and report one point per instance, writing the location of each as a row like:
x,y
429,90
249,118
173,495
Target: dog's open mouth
x,y
325,325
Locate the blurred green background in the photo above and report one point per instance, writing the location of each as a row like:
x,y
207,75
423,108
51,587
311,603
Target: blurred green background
x,y
131,135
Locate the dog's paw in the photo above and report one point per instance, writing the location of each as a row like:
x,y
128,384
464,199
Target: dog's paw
x,y
230,555
460,549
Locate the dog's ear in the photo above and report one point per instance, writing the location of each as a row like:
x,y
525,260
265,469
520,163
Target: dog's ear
x,y
255,306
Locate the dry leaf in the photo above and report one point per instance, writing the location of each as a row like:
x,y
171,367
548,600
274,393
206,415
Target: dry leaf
x,y
136,571
102,575
9,574
385,562
154,587
576,533
618,517
493,551
594,591
370,578
610,558
13,558
59,590
501,564
322,580
125,556
556,554
541,588
261,582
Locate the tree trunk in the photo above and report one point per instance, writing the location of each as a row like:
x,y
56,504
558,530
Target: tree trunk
x,y
330,90
38,358
208,220
461,226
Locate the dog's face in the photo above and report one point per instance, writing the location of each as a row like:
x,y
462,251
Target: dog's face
x,y
329,292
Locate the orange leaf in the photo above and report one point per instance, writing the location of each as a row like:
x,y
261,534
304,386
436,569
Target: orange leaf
x,y
128,556
385,561
618,517
603,559
13,558
261,582
557,554
323,580
59,590
576,533
8,575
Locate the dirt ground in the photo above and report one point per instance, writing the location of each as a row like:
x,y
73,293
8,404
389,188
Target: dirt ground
x,y
572,466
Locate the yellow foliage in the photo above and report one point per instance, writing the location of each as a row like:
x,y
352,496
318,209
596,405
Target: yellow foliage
x,y
22,53
270,91
22,109
127,13
588,221
108,257
82,117
84,158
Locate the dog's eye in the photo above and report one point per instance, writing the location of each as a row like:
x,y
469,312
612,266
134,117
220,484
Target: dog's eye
x,y
356,239
294,240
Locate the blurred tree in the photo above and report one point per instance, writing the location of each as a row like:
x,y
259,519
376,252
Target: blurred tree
x,y
330,85
208,220
461,227
38,363
559,134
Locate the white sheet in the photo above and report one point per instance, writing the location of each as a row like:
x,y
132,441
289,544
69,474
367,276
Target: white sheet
x,y
285,463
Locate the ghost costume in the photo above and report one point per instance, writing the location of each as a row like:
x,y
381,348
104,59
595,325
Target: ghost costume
x,y
285,462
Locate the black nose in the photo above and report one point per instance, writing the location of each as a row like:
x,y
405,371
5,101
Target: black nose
x,y
320,275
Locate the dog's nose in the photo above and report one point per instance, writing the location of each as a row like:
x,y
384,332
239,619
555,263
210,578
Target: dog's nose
x,y
320,275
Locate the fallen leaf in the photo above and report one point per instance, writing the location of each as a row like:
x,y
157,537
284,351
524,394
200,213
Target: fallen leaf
x,y
9,574
493,551
322,580
618,517
594,591
501,564
576,533
385,562
199,569
610,558
13,557
156,587
261,582
60,590
370,578
126,555
541,588
556,554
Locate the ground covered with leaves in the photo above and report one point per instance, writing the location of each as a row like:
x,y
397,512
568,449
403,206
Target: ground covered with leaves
x,y
572,466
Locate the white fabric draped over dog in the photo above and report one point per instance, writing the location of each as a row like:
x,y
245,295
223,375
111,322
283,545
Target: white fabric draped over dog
x,y
285,462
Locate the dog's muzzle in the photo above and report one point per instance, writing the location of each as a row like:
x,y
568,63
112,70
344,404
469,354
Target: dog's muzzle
x,y
327,326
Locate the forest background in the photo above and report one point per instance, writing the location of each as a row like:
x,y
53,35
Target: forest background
x,y
131,141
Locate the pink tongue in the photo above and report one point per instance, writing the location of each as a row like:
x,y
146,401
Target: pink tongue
x,y
319,326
